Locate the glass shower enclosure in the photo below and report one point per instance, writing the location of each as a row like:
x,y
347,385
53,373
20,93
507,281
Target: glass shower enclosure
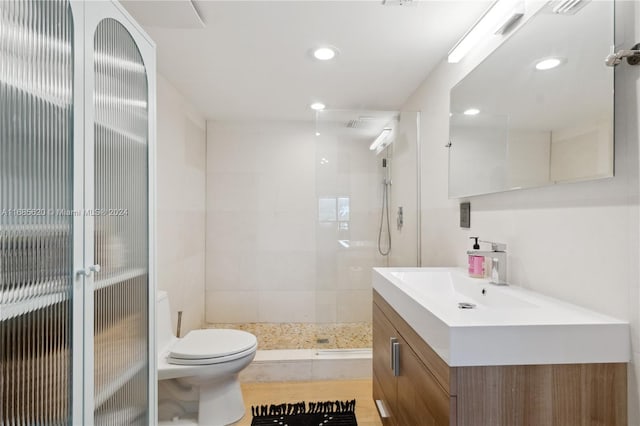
x,y
367,194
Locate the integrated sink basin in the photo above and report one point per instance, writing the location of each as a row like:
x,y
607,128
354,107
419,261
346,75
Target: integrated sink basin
x,y
470,322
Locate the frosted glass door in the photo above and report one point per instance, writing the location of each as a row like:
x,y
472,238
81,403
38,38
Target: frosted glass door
x,y
120,228
36,212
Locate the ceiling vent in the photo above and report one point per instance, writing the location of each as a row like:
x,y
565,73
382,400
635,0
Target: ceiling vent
x,y
360,123
567,7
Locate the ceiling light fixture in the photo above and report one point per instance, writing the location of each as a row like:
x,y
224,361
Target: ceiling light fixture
x,y
378,143
498,19
325,53
548,63
472,111
317,106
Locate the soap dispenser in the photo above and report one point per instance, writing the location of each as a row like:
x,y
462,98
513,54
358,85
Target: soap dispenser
x,y
476,263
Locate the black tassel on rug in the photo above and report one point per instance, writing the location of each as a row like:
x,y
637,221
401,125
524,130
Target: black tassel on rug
x,y
329,413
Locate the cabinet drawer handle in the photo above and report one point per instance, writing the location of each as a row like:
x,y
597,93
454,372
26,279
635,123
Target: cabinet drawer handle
x,y
396,358
381,409
392,341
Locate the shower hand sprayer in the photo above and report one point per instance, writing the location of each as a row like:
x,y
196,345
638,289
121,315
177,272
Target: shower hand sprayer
x,y
385,211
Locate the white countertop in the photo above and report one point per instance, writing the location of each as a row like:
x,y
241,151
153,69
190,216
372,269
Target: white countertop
x,y
508,325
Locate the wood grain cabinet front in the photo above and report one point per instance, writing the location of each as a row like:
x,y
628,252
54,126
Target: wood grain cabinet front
x,y
405,391
413,386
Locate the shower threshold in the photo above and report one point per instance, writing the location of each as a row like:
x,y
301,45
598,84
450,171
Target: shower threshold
x,y
308,351
282,365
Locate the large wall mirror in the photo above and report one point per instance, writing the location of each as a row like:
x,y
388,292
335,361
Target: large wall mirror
x,y
513,125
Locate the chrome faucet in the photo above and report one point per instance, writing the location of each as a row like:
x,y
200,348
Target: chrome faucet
x,y
498,256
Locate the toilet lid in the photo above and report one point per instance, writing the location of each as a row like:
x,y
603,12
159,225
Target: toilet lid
x,y
212,343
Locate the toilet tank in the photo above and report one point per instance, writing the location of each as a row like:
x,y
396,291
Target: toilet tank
x,y
164,328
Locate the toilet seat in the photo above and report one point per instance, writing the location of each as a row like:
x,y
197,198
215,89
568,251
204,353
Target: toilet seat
x,y
212,346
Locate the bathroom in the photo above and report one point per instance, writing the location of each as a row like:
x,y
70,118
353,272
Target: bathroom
x,y
243,167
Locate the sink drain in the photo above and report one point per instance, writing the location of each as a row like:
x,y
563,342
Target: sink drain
x,y
465,305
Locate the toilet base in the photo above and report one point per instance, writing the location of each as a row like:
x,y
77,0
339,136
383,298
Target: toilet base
x,y
221,402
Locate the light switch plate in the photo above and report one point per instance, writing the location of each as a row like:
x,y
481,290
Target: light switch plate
x,y
465,215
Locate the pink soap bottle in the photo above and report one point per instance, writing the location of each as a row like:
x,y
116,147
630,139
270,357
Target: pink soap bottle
x,y
476,263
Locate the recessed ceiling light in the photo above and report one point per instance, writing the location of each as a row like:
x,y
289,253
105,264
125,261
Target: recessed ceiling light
x,y
317,106
472,111
324,53
547,64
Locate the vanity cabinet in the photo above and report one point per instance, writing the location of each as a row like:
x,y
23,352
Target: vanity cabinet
x,y
413,386
405,389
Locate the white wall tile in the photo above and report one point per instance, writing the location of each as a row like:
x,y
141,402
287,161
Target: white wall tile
x,y
287,306
282,231
354,305
232,192
263,184
232,306
236,231
231,270
181,176
286,270
326,307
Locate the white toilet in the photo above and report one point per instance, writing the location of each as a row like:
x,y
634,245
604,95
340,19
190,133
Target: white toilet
x,y
198,374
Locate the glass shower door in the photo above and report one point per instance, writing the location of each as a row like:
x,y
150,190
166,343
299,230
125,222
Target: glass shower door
x,y
36,212
120,219
367,186
349,180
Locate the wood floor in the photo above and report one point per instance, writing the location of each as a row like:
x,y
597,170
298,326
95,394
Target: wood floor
x,y
279,392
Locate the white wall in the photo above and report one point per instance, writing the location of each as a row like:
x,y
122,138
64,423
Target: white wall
x,y
181,169
269,257
578,242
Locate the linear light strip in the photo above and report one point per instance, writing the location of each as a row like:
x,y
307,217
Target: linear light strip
x,y
500,16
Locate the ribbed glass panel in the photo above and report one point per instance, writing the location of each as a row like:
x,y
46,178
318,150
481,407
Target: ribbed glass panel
x,y
121,228
36,202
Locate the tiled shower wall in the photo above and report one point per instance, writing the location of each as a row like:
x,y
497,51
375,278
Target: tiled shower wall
x,y
180,210
271,256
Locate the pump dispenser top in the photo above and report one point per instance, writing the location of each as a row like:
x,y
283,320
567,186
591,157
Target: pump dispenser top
x,y
476,246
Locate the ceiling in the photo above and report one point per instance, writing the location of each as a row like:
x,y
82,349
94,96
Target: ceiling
x,y
251,61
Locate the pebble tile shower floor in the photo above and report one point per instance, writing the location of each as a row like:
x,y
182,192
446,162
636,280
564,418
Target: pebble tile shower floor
x,y
307,335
